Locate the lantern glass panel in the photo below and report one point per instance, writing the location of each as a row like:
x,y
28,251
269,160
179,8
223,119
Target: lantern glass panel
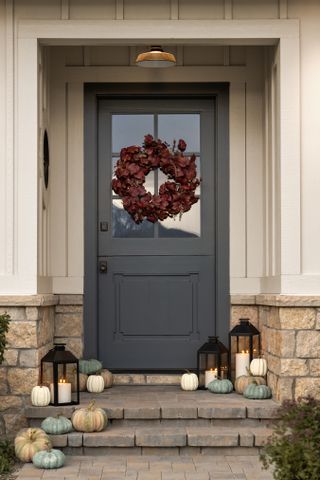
x,y
60,372
244,338
212,357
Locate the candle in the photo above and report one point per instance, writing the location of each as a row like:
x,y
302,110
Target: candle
x,y
210,375
64,391
242,363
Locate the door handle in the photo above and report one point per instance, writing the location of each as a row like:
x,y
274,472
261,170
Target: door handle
x,y
103,266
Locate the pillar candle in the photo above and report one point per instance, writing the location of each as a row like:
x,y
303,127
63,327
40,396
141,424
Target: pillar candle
x,y
242,363
210,375
64,392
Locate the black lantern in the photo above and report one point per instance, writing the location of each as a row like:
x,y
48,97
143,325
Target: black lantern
x,y
59,367
212,362
244,338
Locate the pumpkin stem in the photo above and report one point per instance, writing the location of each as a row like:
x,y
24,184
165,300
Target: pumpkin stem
x,y
91,405
187,371
249,372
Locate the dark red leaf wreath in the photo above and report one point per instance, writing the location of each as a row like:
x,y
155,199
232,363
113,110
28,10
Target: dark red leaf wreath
x,y
175,197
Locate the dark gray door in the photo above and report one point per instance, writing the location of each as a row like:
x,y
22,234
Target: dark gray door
x,y
157,301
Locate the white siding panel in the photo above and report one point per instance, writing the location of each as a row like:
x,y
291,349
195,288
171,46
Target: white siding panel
x,y
147,9
75,180
254,164
109,55
237,180
37,9
58,174
309,13
96,9
203,55
208,9
246,9
3,160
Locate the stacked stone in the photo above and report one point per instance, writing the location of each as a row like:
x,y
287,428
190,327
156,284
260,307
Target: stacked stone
x,y
30,336
290,334
69,323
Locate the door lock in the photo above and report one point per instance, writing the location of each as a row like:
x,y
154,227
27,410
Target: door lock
x,y
103,266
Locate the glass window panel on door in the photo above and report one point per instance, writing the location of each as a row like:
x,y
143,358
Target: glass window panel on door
x,y
129,129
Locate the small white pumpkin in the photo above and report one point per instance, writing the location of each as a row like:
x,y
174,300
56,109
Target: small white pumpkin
x,y
40,396
189,381
258,367
95,384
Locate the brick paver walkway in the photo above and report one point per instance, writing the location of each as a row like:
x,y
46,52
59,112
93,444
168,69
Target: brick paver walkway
x,y
152,468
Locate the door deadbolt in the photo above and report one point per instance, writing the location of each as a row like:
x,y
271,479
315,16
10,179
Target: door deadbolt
x,y
103,266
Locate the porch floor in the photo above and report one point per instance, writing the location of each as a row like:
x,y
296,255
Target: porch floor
x,y
199,467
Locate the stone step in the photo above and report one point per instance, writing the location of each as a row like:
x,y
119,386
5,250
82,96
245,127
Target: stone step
x,y
200,438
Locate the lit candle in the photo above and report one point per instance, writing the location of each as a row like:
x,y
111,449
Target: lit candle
x,y
242,363
210,375
64,391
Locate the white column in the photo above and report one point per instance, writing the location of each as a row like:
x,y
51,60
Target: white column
x,y
23,192
290,155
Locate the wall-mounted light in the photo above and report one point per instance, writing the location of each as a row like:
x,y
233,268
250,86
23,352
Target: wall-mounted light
x,y
156,58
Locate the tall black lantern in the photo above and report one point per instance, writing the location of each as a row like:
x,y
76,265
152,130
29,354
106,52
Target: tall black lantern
x,y
244,338
212,361
60,368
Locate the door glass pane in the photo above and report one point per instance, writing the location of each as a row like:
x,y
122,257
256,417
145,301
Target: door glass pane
x,y
130,130
183,125
124,227
187,226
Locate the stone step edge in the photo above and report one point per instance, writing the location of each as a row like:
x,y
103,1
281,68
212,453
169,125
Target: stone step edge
x,y
165,437
146,379
164,413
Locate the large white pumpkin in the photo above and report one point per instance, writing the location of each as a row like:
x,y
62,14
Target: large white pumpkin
x,y
258,367
40,396
189,381
95,384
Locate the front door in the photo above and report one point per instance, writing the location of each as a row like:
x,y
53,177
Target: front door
x,y
156,283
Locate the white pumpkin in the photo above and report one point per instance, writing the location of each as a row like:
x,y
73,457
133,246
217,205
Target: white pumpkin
x,y
258,367
95,384
189,381
40,396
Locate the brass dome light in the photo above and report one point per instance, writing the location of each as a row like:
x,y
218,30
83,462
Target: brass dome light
x,y
156,58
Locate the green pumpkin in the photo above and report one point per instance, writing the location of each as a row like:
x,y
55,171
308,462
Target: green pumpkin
x,y
89,366
257,392
56,425
49,459
220,386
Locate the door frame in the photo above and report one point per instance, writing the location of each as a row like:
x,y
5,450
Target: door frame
x,y
217,92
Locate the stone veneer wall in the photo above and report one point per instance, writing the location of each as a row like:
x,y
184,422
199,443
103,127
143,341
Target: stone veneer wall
x,y
289,325
30,336
290,328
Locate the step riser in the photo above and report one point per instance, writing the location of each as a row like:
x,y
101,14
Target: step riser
x,y
200,422
156,451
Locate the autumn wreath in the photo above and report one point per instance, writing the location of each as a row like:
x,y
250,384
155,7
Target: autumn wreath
x,y
175,197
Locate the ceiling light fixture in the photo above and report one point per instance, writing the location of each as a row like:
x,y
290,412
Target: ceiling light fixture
x,y
156,58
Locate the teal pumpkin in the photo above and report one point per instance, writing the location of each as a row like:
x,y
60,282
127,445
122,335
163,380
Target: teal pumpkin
x,y
89,366
220,386
49,459
56,425
257,392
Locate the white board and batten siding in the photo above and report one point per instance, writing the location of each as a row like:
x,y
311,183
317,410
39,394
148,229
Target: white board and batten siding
x,y
271,248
